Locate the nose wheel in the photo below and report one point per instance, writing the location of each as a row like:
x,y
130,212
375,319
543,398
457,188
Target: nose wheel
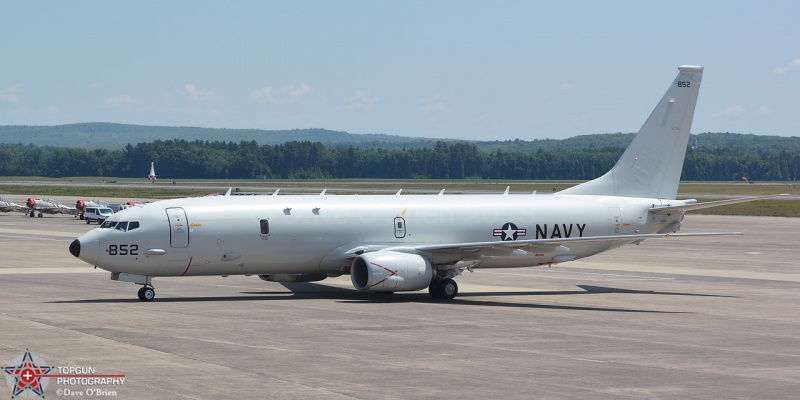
x,y
147,293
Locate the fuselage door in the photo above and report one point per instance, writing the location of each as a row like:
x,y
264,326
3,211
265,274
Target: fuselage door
x,y
616,226
178,227
399,227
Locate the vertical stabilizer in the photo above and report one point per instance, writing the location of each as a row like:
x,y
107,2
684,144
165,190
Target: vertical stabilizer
x,y
651,165
152,175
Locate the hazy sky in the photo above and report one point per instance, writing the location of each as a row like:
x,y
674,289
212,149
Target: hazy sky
x,y
457,69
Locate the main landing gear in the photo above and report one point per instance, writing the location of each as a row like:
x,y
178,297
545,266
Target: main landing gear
x,y
443,288
147,293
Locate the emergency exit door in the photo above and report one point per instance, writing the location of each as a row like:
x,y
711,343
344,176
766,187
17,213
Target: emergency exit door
x,y
178,227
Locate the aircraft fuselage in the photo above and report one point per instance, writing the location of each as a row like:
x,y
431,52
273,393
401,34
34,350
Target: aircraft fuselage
x,y
309,234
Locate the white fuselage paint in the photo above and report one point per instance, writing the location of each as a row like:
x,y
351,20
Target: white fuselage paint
x,y
310,234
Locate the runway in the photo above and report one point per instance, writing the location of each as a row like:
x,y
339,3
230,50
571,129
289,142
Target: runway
x,y
700,318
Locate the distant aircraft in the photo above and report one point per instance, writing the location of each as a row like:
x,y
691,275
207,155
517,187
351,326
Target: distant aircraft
x,y
152,175
119,207
6,205
80,206
46,206
389,243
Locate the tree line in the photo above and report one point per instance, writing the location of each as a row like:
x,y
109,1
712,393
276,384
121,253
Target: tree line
x,y
182,159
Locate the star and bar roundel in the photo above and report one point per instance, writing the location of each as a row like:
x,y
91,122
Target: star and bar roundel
x,y
509,231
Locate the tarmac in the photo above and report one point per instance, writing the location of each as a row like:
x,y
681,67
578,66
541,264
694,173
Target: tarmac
x,y
699,318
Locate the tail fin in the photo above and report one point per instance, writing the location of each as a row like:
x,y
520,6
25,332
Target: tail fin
x,y
651,165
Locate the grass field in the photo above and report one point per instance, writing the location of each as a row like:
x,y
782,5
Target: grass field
x,y
140,188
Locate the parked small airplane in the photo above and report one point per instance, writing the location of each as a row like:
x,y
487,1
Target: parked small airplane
x,y
152,175
46,206
6,205
119,207
389,243
80,206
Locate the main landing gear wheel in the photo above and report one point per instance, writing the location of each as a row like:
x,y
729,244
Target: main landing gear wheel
x,y
147,293
443,289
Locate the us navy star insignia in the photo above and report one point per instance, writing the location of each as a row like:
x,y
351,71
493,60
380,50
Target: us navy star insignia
x,y
509,231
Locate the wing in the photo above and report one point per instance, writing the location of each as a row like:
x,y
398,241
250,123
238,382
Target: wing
x,y
551,243
460,255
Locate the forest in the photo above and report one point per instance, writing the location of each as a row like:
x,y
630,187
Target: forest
x,y
182,159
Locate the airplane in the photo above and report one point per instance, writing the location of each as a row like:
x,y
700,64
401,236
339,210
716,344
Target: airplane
x,y
393,243
119,207
6,205
46,206
80,206
152,175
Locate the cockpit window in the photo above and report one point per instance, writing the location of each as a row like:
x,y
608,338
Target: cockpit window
x,y
108,224
121,225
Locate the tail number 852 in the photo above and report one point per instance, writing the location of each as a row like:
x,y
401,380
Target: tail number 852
x,y
123,250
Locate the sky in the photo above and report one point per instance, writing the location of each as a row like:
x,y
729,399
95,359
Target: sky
x,y
479,70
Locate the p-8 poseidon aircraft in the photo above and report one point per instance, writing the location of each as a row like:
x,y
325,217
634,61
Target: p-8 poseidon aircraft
x,y
390,243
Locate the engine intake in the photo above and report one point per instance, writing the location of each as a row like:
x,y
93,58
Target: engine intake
x,y
390,271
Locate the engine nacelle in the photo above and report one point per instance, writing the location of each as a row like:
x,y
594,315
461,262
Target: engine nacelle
x,y
390,271
80,205
31,202
293,277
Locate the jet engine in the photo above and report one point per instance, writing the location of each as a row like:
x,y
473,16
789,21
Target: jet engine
x,y
390,271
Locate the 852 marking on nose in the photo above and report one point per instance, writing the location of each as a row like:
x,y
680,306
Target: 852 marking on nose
x,y
123,250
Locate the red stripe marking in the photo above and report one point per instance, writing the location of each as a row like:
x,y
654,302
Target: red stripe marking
x,y
187,267
391,274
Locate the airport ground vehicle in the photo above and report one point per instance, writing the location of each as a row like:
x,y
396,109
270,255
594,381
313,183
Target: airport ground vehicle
x,y
97,214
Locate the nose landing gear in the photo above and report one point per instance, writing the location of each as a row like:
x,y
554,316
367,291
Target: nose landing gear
x,y
147,293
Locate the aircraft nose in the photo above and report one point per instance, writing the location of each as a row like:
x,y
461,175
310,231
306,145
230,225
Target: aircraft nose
x,y
86,247
75,248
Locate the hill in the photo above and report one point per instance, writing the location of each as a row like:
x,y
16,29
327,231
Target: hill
x,y
102,135
108,136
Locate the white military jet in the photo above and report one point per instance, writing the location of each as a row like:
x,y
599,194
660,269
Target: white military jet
x,y
152,175
391,243
46,206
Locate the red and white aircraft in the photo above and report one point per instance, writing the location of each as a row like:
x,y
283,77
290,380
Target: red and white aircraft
x,y
46,206
6,205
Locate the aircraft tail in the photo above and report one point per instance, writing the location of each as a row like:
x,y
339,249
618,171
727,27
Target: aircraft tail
x,y
651,165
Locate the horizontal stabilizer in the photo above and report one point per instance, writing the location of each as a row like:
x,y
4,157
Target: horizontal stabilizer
x,y
708,204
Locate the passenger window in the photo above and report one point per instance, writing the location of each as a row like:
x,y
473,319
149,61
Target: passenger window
x,y
122,226
265,227
133,225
